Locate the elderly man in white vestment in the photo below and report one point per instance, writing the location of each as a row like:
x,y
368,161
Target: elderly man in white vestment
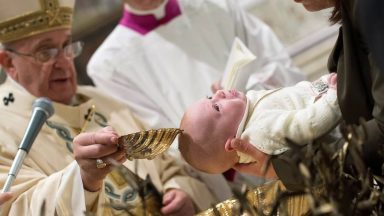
x,y
60,174
168,53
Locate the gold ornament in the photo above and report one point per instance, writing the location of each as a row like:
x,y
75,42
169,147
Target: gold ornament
x,y
100,164
147,144
260,200
34,17
229,207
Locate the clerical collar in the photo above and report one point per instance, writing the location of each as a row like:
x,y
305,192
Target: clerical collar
x,y
158,12
145,21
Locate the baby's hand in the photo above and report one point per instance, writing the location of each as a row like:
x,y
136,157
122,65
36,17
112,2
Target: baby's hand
x,y
332,81
177,202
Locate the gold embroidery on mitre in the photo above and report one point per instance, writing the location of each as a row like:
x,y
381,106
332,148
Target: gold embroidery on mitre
x,y
51,16
147,144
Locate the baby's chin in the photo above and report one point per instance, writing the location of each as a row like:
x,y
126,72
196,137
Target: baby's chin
x,y
216,165
213,169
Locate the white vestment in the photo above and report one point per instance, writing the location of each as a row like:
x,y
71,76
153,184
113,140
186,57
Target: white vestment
x,y
161,73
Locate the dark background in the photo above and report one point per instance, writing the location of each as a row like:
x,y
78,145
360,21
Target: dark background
x,y
93,21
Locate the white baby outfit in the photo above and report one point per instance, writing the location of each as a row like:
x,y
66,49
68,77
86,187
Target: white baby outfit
x,y
301,113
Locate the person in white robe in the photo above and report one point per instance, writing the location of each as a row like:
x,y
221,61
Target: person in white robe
x,y
61,175
170,53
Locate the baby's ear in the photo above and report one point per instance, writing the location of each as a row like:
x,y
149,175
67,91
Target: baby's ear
x,y
228,146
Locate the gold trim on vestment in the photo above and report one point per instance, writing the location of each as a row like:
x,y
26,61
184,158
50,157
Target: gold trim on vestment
x,y
262,199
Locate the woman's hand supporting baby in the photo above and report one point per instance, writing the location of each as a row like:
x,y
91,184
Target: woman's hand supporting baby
x,y
257,168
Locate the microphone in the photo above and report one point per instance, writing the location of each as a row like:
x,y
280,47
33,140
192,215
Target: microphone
x,y
42,110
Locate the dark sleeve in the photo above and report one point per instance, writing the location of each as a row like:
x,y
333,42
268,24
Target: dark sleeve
x,y
286,165
370,14
370,22
374,145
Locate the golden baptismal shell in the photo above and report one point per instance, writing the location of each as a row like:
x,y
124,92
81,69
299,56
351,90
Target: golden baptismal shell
x,y
147,144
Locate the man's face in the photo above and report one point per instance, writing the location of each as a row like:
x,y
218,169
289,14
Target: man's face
x,y
316,5
55,79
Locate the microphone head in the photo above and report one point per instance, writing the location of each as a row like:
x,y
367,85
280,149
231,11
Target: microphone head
x,y
45,104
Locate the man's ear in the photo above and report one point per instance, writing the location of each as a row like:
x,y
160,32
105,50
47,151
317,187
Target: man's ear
x,y
228,146
7,64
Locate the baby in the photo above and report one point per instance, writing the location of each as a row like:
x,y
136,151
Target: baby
x,y
265,118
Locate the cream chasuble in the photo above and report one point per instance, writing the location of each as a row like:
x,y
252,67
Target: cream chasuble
x,y
50,174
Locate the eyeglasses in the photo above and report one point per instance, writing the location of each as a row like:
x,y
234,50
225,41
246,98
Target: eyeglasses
x,y
47,55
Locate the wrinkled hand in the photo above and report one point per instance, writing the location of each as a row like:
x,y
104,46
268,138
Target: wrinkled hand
x,y
177,202
216,86
256,168
88,147
4,197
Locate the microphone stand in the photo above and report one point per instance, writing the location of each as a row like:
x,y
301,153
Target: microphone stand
x,y
14,169
42,110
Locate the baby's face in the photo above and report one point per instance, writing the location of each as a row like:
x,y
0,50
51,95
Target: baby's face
x,y
210,123
222,112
